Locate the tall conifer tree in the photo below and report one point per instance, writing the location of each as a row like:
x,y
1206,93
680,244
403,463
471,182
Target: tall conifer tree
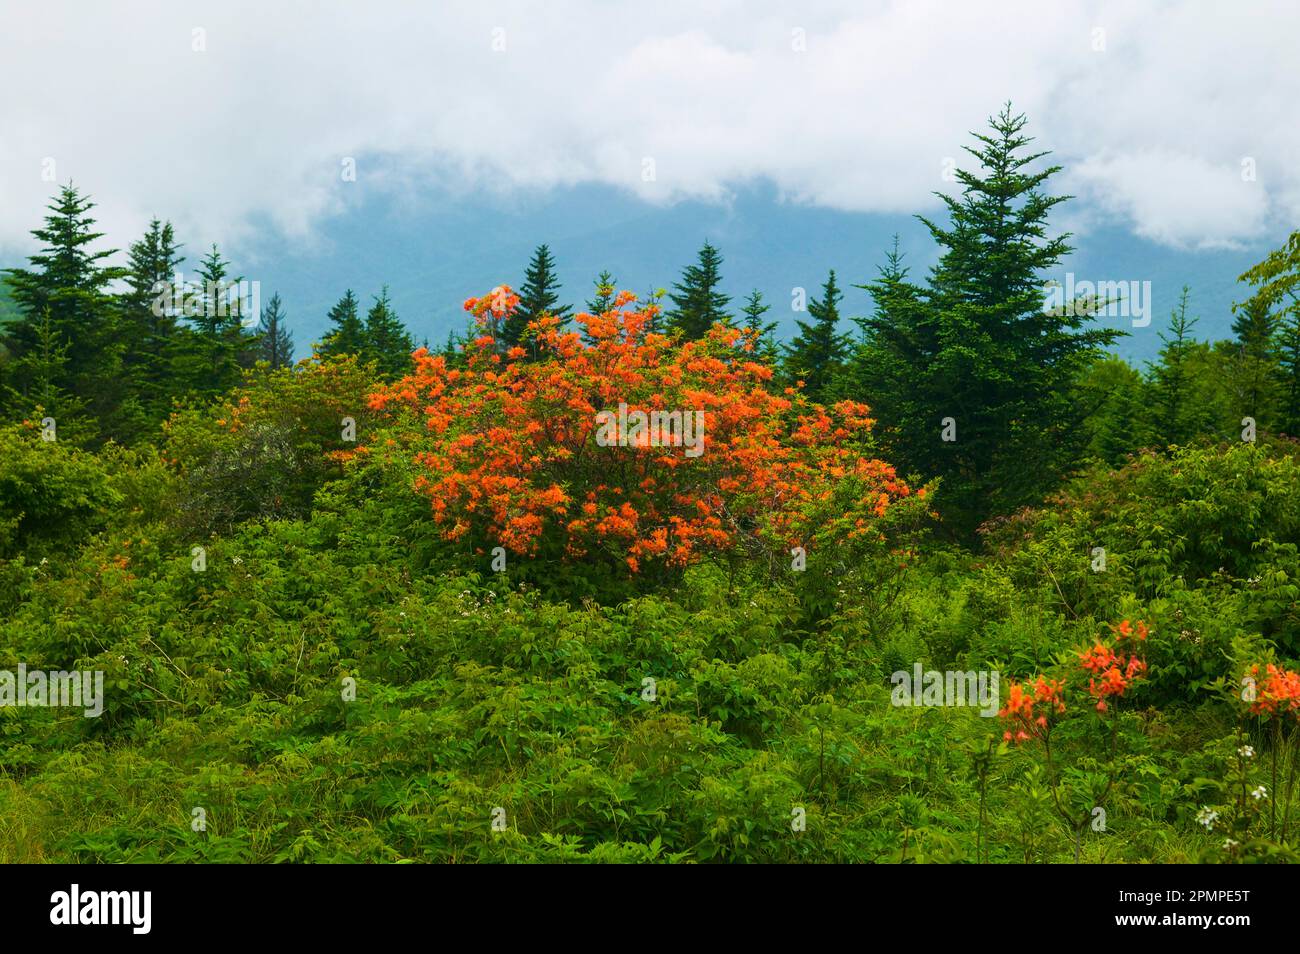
x,y
347,333
208,361
538,295
1276,284
149,313
980,370
816,355
753,315
1171,378
697,302
66,306
275,343
387,341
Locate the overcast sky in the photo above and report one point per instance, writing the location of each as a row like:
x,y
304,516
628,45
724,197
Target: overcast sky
x,y
235,117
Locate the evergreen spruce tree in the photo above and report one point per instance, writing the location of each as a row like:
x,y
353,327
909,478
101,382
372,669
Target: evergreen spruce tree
x,y
816,355
1171,376
893,339
275,343
149,317
44,367
657,324
752,316
64,302
452,351
606,290
603,300
209,354
208,302
975,356
538,296
347,333
388,343
1288,356
1253,369
697,303
1276,284
1117,404
1253,327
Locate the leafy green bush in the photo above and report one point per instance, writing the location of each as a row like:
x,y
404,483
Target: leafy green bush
x,y
265,452
53,496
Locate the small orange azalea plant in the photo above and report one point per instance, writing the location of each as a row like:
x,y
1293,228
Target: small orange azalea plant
x,y
1034,710
1275,696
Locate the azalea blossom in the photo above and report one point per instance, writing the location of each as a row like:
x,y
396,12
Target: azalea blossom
x,y
510,454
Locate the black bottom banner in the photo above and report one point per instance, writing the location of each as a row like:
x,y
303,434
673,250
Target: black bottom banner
x,y
138,904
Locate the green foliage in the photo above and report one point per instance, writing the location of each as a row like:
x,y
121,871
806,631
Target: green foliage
x,y
734,717
265,452
66,342
53,496
753,315
275,344
334,682
347,334
1117,401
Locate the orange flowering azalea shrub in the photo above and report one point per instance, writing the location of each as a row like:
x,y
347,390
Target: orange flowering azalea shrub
x,y
1275,691
1114,670
1031,709
631,448
1111,670
1082,768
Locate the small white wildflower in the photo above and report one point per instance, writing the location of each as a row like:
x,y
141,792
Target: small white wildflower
x,y
236,560
1258,793
1207,816
1246,752
1229,844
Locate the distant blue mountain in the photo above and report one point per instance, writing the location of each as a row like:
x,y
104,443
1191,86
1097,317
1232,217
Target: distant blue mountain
x,y
434,250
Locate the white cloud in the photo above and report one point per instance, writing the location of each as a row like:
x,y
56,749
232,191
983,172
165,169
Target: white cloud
x,y
1176,199
250,133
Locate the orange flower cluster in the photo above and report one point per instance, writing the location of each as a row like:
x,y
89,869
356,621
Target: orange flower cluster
x,y
1031,709
1127,630
509,453
1112,671
1276,692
